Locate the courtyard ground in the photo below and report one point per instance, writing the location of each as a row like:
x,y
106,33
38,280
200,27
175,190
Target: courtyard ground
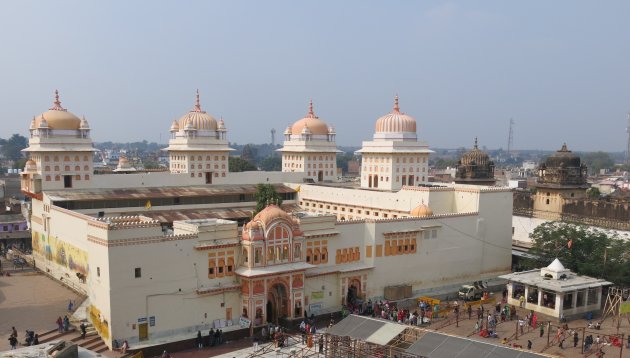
x,y
30,300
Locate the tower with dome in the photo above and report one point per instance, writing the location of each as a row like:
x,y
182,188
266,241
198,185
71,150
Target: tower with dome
x,y
309,147
60,150
475,167
394,157
198,145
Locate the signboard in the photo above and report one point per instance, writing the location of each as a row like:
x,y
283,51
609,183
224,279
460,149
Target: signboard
x,y
317,295
315,307
624,308
142,320
244,322
152,321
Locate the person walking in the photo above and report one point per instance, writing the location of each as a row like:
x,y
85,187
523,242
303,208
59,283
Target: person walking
x,y
13,342
469,310
36,340
83,328
70,306
575,339
60,324
542,329
199,340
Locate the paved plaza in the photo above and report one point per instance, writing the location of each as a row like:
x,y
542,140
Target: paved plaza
x,y
29,300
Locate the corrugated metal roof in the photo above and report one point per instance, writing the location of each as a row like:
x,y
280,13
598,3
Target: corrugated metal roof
x,y
157,192
168,216
436,345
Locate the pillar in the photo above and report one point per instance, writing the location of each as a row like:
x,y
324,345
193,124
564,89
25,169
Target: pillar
x,y
575,293
540,296
559,302
526,293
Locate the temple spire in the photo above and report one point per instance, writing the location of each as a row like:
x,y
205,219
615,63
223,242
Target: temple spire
x,y
476,143
57,103
310,109
197,103
396,107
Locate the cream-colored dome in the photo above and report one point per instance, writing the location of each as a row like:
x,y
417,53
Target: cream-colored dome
x,y
396,122
198,119
421,210
174,126
314,124
58,117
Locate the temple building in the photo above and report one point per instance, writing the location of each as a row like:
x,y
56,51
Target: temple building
x,y
556,291
394,157
163,254
309,147
475,167
198,145
562,176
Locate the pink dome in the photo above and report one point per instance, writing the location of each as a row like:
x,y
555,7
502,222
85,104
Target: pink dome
x,y
396,122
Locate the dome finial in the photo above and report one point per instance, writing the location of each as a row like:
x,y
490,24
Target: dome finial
x,y
476,143
310,108
197,103
57,103
396,107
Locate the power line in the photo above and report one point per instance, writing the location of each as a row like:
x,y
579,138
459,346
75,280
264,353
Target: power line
x,y
510,143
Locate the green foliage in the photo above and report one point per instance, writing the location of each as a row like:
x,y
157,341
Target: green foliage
x,y
150,164
593,193
441,163
593,252
249,153
237,164
596,161
11,148
265,195
271,164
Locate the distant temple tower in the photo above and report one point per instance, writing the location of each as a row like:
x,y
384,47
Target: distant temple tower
x,y
394,157
562,176
475,167
60,151
309,147
199,145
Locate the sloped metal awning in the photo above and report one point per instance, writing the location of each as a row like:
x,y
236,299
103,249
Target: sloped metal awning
x,y
436,345
367,329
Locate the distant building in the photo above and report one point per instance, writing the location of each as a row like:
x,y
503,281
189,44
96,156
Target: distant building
x,y
475,167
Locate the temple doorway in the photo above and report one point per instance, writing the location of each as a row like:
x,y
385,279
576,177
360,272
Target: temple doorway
x,y
277,303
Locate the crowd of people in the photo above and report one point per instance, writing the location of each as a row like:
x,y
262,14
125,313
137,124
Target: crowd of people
x,y
30,338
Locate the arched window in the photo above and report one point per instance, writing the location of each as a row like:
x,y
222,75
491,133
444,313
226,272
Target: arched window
x,y
324,255
230,266
86,168
66,168
77,168
87,177
221,268
76,158
316,256
47,168
309,255
47,177
66,158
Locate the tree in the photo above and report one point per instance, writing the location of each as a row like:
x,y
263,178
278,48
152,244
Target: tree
x,y
265,195
271,164
593,193
237,164
12,148
597,160
249,153
582,249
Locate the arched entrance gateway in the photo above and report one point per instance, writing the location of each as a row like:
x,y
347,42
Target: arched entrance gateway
x,y
277,303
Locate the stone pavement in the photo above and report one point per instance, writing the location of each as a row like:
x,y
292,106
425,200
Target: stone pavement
x,y
32,301
539,344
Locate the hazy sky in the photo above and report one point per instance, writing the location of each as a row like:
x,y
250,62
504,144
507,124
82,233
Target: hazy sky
x,y
561,69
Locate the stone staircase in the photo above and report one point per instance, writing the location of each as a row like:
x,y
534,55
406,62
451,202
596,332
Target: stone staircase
x,y
92,340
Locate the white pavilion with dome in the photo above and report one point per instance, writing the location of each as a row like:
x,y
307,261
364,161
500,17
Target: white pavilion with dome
x,y
59,149
199,145
394,157
309,147
556,291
